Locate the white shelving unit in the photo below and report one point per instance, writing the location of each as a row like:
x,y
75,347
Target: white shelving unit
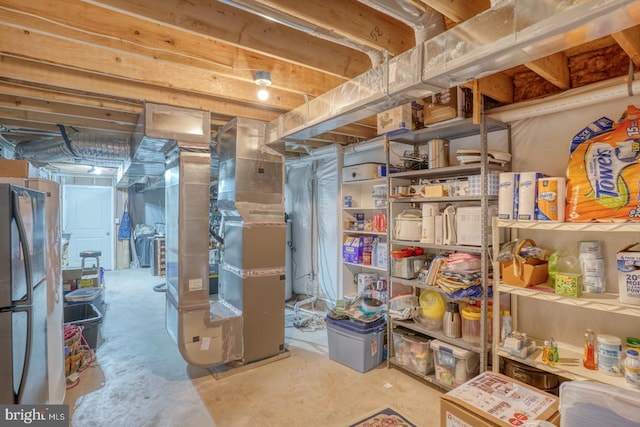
x,y
570,364
361,194
452,131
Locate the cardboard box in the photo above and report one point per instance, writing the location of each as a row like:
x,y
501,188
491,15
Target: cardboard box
x,y
400,119
366,283
88,282
435,190
354,247
628,262
72,274
452,103
568,285
495,400
17,169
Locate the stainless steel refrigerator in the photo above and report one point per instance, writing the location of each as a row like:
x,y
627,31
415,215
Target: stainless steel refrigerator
x,y
23,297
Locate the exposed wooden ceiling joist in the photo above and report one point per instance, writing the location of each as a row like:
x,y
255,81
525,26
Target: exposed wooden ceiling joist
x,y
245,30
40,73
629,41
149,39
74,60
56,118
351,20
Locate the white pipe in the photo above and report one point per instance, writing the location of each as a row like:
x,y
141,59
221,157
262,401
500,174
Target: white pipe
x,y
589,95
372,144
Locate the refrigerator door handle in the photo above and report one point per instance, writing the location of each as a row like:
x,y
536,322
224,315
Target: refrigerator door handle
x,y
27,353
25,248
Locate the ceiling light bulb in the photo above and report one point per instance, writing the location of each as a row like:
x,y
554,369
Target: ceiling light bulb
x,y
263,94
97,171
262,79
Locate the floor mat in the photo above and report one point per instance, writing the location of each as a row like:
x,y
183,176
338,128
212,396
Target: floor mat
x,y
384,418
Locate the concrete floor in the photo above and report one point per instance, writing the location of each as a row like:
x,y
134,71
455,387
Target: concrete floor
x,y
140,379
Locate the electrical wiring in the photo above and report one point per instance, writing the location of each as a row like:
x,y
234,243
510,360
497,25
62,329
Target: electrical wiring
x,y
311,323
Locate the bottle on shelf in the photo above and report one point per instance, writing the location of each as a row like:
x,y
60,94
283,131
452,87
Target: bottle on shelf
x,y
632,368
552,352
507,326
589,358
545,351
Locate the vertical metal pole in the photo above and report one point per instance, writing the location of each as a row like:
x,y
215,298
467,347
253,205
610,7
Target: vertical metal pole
x,y
484,217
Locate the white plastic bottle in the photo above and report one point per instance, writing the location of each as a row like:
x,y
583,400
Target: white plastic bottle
x,y
632,368
507,325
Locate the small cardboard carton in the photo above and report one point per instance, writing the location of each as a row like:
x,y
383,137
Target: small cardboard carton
x,y
17,169
628,263
400,119
71,273
366,283
495,400
354,247
452,103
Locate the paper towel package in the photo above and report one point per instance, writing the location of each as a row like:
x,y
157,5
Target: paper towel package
x,y
508,195
527,195
551,199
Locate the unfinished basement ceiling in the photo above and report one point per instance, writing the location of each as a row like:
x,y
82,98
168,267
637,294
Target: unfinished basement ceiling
x,y
90,65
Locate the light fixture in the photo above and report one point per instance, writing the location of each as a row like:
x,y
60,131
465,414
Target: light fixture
x,y
262,79
94,170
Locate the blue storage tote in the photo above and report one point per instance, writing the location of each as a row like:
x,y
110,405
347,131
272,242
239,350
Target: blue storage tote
x,y
357,345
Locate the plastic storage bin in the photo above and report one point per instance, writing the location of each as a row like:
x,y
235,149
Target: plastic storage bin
x,y
590,404
87,316
93,295
358,346
412,351
454,365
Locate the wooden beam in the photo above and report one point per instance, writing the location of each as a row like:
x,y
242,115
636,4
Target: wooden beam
x,y
90,24
358,130
458,10
20,124
64,109
68,97
52,118
247,31
629,41
71,54
28,71
497,86
352,20
553,68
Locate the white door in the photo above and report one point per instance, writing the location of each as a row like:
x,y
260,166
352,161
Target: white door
x,y
88,217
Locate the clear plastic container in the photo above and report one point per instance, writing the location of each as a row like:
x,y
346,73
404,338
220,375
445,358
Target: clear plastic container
x,y
471,324
453,365
632,368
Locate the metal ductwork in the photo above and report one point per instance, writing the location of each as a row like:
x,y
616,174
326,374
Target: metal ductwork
x,y
246,322
157,129
273,14
425,21
7,149
511,33
251,200
81,145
